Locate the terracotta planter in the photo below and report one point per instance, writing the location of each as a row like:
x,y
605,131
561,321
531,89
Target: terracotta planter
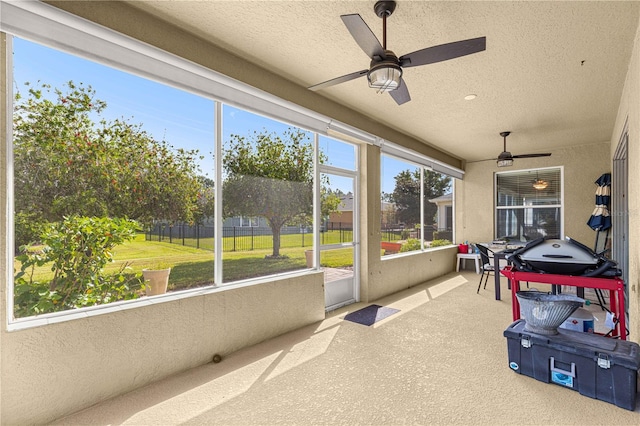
x,y
308,254
156,280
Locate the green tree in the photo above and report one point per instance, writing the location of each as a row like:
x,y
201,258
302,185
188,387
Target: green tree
x,y
406,195
271,176
206,200
66,163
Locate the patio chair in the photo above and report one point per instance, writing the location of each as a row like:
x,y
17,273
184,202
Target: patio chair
x,y
486,258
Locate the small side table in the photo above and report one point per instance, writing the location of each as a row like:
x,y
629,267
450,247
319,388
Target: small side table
x,y
465,256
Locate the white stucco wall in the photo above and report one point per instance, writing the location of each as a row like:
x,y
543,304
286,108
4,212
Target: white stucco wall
x,y
392,274
53,370
629,112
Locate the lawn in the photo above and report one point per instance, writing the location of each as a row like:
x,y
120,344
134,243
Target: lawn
x,y
192,267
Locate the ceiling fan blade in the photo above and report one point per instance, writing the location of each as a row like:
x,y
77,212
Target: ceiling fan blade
x,y
401,94
363,35
546,154
339,80
443,52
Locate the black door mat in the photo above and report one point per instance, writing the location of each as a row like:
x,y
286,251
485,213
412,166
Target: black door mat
x,y
370,315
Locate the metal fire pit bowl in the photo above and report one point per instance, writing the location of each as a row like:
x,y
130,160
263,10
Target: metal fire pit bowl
x,y
543,312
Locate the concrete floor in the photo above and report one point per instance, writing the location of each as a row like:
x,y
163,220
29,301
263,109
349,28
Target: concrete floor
x,y
441,360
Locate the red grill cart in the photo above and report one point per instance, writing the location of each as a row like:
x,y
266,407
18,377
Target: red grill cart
x,y
614,284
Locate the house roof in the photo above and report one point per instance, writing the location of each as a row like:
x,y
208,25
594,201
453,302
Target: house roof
x,y
443,198
346,203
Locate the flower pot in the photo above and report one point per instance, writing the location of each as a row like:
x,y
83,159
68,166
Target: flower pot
x,y
308,254
156,280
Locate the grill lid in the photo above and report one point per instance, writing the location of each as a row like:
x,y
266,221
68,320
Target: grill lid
x,y
559,251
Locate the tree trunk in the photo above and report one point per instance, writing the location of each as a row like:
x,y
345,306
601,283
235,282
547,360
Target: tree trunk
x,y
276,240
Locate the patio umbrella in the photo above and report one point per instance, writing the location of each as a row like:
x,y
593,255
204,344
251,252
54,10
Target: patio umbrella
x,y
600,219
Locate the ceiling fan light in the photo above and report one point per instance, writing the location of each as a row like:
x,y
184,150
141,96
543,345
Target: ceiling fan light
x,y
505,162
540,184
385,78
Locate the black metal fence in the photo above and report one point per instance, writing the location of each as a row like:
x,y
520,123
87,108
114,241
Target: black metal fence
x,y
400,233
243,238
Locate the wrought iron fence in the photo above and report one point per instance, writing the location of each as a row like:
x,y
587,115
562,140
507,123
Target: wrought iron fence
x,y
397,233
244,238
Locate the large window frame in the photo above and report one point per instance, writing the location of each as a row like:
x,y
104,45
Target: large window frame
x,y
217,278
529,209
51,27
423,166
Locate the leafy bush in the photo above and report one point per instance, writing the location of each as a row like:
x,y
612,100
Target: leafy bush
x,y
28,227
404,234
411,245
78,248
440,243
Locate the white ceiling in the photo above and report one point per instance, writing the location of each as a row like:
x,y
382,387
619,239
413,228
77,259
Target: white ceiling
x,y
552,73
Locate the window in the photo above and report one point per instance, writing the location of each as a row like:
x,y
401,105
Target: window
x,y
128,164
267,173
414,206
529,204
107,165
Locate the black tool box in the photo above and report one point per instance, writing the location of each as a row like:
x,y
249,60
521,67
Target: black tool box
x,y
594,365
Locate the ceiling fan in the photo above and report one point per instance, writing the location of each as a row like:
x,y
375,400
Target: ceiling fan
x,y
505,159
385,71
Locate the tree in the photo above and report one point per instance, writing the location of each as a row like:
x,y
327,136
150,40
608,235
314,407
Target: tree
x,y
65,163
206,200
271,176
406,195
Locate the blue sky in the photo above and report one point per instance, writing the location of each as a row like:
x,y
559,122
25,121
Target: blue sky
x,y
181,118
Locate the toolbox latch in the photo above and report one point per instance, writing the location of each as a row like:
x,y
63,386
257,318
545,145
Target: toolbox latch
x,y
604,361
525,341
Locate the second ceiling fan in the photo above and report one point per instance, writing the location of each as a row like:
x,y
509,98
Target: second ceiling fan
x,y
385,71
505,159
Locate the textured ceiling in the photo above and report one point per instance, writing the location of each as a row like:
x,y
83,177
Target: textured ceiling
x,y
552,73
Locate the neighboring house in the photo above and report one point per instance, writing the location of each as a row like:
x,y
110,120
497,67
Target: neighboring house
x,y
343,217
388,217
443,226
444,216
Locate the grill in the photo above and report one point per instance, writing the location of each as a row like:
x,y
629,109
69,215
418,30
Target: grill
x,y
563,257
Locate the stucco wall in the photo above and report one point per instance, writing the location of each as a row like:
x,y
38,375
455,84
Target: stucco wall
x,y
390,275
582,166
629,112
53,370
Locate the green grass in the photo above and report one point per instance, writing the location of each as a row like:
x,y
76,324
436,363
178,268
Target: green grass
x,y
192,267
